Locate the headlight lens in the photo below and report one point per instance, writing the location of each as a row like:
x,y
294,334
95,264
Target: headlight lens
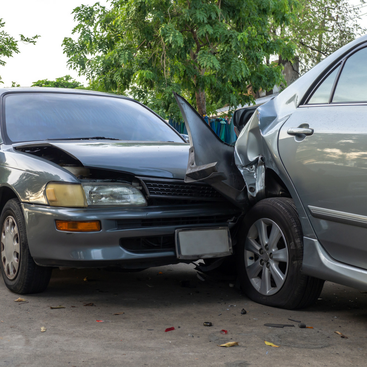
x,y
68,195
113,194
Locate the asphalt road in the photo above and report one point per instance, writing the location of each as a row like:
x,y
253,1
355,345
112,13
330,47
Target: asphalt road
x,y
119,319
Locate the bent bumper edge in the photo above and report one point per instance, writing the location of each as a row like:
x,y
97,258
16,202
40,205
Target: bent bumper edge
x,y
50,247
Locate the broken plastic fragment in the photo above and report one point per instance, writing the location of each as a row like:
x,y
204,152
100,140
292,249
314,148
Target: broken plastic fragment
x,y
295,320
243,312
207,323
169,329
56,307
43,329
271,344
119,313
341,335
224,332
229,344
200,277
99,320
279,325
20,300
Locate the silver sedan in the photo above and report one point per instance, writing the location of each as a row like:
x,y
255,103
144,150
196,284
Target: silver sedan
x,y
298,171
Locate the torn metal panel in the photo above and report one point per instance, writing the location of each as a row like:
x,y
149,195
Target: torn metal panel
x,y
211,160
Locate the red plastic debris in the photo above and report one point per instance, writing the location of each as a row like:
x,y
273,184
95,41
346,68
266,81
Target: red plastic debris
x,y
169,329
99,320
224,332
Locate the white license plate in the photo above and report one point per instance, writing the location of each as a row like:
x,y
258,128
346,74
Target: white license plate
x,y
203,243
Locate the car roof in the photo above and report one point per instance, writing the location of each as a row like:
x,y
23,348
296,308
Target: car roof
x,y
59,90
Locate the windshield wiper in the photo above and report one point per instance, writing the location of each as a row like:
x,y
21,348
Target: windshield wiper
x,y
89,138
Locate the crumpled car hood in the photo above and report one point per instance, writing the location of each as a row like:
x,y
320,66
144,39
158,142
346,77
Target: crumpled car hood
x,y
161,159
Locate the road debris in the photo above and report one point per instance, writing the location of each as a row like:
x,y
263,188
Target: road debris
x,y
56,307
301,325
20,300
100,320
228,345
298,321
341,335
200,277
119,313
43,329
207,323
271,344
243,312
224,332
279,325
89,304
169,329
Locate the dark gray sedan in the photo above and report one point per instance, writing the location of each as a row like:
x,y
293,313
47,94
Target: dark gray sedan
x,y
93,180
299,172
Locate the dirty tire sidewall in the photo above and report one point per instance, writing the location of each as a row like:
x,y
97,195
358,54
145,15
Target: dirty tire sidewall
x,y
31,278
283,214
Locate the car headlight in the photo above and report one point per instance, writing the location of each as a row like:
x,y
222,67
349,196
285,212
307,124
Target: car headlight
x,y
113,194
66,194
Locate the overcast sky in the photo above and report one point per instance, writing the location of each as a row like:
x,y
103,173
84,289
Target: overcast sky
x,y
53,21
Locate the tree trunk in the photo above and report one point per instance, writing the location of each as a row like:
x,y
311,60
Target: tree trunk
x,y
201,102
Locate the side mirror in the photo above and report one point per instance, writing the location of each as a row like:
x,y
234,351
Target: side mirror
x,y
186,138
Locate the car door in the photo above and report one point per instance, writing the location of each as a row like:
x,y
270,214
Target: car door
x,y
323,146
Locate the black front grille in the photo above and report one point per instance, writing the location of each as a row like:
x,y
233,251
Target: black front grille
x,y
148,244
180,189
167,222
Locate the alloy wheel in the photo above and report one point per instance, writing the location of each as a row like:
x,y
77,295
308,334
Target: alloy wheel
x,y
266,256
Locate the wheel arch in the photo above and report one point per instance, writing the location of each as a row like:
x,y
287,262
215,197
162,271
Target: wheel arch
x,y
6,193
274,185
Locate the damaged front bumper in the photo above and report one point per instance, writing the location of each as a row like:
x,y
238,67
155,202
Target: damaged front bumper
x,y
130,238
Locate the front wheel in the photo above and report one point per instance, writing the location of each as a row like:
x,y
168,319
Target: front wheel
x,y
20,273
270,257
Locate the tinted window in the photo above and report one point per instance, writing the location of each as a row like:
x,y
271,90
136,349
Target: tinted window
x,y
352,84
322,94
42,116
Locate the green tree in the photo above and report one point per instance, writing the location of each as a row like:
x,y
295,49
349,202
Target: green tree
x,y
63,82
9,45
212,52
321,27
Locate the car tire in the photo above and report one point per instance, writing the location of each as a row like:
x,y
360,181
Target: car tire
x,y
270,253
19,271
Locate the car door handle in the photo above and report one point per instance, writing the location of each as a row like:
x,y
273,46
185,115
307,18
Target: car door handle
x,y
300,131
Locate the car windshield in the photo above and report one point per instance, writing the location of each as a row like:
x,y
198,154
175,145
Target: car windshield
x,y
48,116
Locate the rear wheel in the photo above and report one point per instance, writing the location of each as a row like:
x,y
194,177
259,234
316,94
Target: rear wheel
x,y
270,257
20,273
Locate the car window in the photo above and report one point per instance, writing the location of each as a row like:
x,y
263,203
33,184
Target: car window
x,y
323,92
352,84
42,116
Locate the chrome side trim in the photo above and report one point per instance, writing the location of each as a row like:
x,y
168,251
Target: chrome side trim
x,y
335,104
318,263
338,216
